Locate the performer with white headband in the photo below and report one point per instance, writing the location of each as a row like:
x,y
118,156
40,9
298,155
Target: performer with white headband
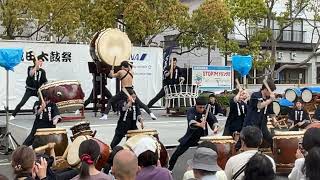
x,y
36,77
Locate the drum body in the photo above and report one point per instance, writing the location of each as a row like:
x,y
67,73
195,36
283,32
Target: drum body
x,y
285,145
310,93
138,134
181,95
73,152
292,94
225,147
282,106
81,128
67,95
313,125
50,135
110,46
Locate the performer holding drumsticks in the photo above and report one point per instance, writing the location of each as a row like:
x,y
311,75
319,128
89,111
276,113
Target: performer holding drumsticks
x,y
36,77
197,118
259,107
126,77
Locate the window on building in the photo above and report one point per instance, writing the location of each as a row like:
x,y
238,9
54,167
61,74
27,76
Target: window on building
x,y
291,76
318,75
170,41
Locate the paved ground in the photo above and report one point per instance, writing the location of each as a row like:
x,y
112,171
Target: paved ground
x,y
170,130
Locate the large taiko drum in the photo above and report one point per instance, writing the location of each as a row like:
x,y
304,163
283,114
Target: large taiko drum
x,y
53,135
67,94
73,152
181,95
110,46
81,128
282,106
310,93
292,94
133,137
225,147
285,145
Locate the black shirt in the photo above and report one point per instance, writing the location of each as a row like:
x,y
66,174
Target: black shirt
x,y
215,108
175,77
298,115
39,78
48,114
238,111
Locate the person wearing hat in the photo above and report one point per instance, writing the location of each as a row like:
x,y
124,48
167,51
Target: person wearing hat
x,y
215,107
204,164
197,127
126,78
35,79
298,117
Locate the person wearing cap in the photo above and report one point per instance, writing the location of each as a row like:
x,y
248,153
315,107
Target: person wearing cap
x,y
215,107
126,77
35,79
259,108
129,115
251,138
197,127
204,164
298,117
169,79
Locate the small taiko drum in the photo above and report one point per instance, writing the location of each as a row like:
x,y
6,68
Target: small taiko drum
x,y
181,95
285,145
310,93
53,135
292,94
81,128
137,134
67,94
73,152
225,147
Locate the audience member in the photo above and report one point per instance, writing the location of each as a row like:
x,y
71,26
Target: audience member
x,y
24,165
251,138
125,165
259,167
89,152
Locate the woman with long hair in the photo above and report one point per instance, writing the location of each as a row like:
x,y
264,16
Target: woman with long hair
x,y
89,153
312,164
259,167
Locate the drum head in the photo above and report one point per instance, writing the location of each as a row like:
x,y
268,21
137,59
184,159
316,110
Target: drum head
x,y
135,141
291,95
73,151
113,45
276,107
47,131
306,95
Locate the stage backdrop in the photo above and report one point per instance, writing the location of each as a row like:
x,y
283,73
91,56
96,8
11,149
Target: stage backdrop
x,y
212,78
69,62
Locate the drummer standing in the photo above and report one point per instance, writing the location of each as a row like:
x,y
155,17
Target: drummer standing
x,y
126,77
47,116
259,107
129,114
298,117
197,127
36,77
173,79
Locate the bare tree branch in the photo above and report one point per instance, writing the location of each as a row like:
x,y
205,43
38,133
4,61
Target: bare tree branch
x,y
186,51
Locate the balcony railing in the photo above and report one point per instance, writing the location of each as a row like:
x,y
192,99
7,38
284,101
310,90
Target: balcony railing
x,y
287,35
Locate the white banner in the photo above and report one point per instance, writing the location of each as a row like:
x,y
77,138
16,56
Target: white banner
x,y
212,78
70,62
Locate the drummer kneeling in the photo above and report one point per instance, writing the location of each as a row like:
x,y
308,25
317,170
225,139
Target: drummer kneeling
x,y
47,116
298,117
129,114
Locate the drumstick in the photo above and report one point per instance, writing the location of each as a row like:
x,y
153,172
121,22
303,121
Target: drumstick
x,y
41,148
114,62
207,112
171,69
40,94
238,84
266,85
64,156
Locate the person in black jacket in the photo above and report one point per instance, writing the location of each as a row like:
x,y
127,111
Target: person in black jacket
x,y
176,79
36,77
129,115
215,107
197,127
298,117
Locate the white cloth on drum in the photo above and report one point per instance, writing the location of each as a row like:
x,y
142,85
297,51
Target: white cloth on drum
x,y
144,144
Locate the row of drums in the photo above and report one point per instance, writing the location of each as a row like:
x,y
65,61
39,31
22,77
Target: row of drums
x,y
285,144
307,94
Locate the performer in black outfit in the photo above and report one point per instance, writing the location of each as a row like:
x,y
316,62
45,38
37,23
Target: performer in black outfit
x,y
197,127
238,111
176,78
129,115
215,107
298,117
47,116
36,78
259,107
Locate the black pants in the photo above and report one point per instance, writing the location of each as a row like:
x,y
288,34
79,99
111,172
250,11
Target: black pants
x,y
177,153
160,94
267,135
37,125
121,96
28,93
121,130
97,92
